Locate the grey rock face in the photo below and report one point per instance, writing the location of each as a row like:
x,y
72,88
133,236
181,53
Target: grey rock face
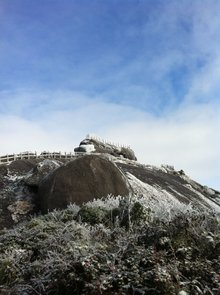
x,y
21,167
80,181
42,169
17,188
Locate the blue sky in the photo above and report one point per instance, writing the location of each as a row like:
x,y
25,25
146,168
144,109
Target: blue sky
x,y
141,72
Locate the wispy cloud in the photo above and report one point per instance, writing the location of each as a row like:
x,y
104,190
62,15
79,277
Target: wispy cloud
x,y
187,137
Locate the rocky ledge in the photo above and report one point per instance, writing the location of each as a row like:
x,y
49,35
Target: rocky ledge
x,y
94,145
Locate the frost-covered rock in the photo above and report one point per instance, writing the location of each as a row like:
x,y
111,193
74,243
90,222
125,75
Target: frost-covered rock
x,y
19,208
166,192
41,170
209,191
81,180
85,148
89,145
21,167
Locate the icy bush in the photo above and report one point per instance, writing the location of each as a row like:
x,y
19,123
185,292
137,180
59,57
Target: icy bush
x,y
166,209
110,202
63,215
112,247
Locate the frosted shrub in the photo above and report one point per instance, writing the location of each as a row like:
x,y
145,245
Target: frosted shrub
x,y
59,254
63,215
110,202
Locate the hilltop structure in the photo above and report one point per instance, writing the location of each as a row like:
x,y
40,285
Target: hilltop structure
x,y
93,144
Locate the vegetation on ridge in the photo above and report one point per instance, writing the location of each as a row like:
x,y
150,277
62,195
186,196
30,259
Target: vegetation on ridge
x,y
118,249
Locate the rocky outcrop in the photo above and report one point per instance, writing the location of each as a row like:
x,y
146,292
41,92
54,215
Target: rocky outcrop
x,y
81,180
91,145
127,153
20,208
166,190
15,198
21,166
42,169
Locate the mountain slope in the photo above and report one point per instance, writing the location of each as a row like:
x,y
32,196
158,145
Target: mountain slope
x,y
160,238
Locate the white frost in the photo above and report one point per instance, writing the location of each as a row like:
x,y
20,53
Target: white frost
x,y
162,203
50,163
110,202
88,147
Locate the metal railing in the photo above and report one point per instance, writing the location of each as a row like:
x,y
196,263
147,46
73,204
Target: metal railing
x,y
44,155
34,155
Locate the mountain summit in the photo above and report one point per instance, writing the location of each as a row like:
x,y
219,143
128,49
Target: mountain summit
x,y
96,145
98,169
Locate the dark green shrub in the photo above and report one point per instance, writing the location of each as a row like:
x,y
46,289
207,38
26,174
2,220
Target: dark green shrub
x,y
92,215
139,213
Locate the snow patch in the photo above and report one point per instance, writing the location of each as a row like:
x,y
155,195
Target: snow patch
x,y
88,147
162,203
50,163
213,204
13,177
110,202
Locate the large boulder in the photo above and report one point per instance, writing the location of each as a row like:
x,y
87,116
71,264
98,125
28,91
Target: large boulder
x,y
81,180
127,153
